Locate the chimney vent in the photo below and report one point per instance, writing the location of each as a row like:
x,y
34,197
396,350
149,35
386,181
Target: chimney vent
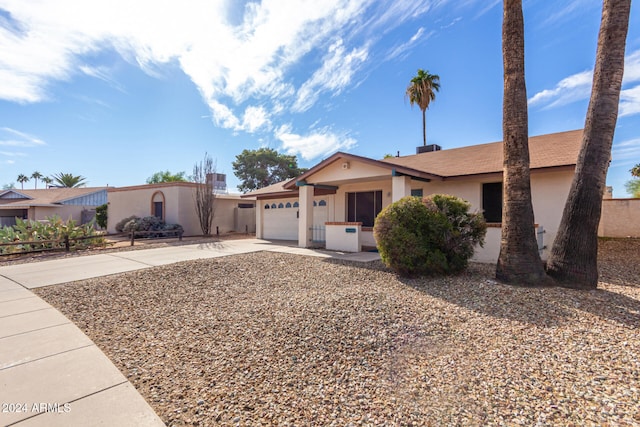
x,y
428,148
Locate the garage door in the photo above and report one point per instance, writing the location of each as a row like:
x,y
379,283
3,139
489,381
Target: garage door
x,y
280,220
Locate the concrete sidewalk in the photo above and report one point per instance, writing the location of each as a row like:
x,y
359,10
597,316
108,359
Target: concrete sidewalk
x,y
51,373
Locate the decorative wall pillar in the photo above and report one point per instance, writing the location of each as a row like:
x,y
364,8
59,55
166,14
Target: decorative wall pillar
x,y
305,217
400,187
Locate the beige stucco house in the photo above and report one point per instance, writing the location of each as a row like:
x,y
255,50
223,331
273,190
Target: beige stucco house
x,y
68,203
174,202
334,204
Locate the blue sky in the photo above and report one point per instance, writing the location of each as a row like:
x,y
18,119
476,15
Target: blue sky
x,y
117,90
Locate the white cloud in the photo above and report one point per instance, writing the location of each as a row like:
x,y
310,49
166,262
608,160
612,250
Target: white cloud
x,y
568,90
104,74
14,138
335,74
577,87
319,143
254,119
630,101
626,150
404,48
251,61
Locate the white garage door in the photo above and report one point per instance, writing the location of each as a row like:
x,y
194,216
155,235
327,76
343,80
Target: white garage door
x,y
280,221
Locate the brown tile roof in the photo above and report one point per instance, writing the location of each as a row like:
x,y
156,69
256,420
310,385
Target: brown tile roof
x,y
46,197
273,189
552,150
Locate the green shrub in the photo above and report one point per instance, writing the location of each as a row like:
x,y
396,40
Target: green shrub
x,y
435,235
101,215
120,224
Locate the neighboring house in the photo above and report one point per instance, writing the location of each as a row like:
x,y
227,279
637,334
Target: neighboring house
x,y
75,203
335,203
174,202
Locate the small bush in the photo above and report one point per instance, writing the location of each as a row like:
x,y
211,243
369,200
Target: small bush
x,y
120,225
148,223
435,235
101,215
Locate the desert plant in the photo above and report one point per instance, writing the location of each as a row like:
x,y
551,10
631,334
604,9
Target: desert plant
x,y
435,235
52,229
120,224
101,215
148,223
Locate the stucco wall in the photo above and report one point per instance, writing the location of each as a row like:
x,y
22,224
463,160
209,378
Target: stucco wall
x,y
549,191
620,218
65,212
179,207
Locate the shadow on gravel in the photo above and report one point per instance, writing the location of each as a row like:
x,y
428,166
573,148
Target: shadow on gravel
x,y
477,290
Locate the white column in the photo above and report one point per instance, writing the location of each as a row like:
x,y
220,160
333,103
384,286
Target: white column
x,y
400,187
305,218
259,208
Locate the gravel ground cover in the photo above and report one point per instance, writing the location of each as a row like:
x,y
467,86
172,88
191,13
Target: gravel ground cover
x,y
280,339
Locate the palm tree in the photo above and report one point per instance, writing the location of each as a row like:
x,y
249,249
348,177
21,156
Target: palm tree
x,y
46,180
635,171
36,176
422,91
70,180
22,178
574,255
519,262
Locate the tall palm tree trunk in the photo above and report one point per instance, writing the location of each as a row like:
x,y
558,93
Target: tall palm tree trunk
x,y
574,255
519,262
424,127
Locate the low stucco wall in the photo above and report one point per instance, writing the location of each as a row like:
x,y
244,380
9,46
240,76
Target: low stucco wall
x,y
620,218
179,207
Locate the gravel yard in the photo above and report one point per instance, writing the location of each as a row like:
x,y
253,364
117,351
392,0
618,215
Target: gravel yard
x,y
268,338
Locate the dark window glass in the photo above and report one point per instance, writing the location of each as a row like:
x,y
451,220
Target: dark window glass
x,y
157,209
417,192
364,207
492,201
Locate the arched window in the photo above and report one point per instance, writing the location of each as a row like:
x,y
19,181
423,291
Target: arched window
x,y
288,205
322,203
266,206
296,205
273,206
315,204
158,205
280,206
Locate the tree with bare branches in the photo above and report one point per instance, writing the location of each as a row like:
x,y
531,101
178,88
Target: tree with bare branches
x,y
205,196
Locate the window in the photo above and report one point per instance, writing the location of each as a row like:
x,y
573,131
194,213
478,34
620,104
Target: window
x,y
492,201
157,209
364,207
417,192
157,205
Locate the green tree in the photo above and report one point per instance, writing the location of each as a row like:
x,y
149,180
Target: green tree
x,y
8,186
422,91
22,178
166,176
633,187
36,176
46,180
574,255
69,180
519,261
262,167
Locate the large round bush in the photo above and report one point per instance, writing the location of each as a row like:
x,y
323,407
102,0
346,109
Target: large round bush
x,y
435,235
